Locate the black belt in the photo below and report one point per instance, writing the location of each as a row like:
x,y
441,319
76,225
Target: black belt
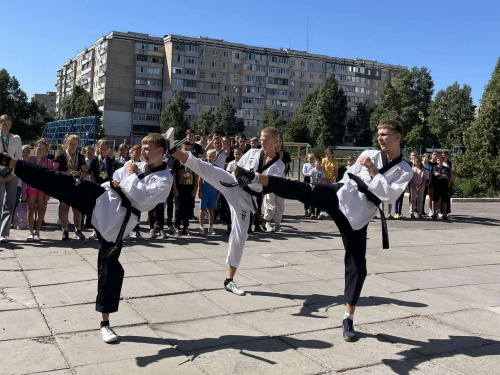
x,y
362,187
130,210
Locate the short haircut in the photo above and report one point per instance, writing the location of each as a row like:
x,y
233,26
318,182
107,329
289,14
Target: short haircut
x,y
211,152
135,147
329,150
190,131
241,135
186,144
103,143
254,139
392,125
204,132
446,152
157,139
27,147
272,131
5,117
124,145
237,149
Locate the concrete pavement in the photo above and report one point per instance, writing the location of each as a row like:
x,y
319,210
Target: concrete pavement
x,y
430,305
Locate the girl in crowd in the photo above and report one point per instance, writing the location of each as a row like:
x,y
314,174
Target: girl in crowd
x,y
306,172
37,200
417,187
72,163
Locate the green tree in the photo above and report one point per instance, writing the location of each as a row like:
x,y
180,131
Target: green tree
x,y
206,120
362,131
451,113
226,122
407,99
327,120
272,117
174,115
482,140
28,119
81,104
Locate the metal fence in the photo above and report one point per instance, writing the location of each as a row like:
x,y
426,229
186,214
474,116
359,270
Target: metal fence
x,y
85,127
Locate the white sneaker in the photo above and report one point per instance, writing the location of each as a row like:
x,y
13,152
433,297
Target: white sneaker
x,y
202,231
233,288
31,237
269,227
431,213
93,236
162,235
211,230
177,232
108,335
152,233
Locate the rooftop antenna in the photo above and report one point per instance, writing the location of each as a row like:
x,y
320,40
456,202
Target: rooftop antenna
x,y
307,34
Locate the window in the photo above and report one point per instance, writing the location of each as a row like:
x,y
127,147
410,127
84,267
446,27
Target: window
x,y
215,52
226,54
144,69
377,73
321,76
293,62
311,86
214,75
247,100
249,78
292,94
235,88
311,65
189,83
223,88
301,95
203,63
214,64
177,82
237,56
302,75
236,66
189,95
283,70
178,47
301,85
213,87
259,101
203,52
191,72
235,78
303,64
202,74
213,98
191,48
190,60
273,69
202,86
311,75
177,70
224,65
224,77
201,97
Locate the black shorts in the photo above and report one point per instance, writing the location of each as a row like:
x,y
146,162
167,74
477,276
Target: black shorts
x,y
440,195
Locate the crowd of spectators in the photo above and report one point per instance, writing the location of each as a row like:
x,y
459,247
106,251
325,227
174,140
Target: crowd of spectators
x,y
432,180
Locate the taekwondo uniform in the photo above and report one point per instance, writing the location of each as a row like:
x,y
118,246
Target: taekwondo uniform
x,y
350,208
241,202
114,211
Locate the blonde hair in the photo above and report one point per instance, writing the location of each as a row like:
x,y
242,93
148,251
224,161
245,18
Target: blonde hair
x,y
157,139
42,141
272,131
103,143
211,152
69,138
135,147
310,156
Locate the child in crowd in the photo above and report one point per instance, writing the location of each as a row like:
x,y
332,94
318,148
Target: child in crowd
x,y
237,154
441,175
37,200
306,172
135,157
430,189
72,163
26,152
208,195
185,187
350,161
417,187
427,175
330,166
317,177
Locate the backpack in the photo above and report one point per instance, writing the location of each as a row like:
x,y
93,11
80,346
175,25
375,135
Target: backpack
x,y
20,219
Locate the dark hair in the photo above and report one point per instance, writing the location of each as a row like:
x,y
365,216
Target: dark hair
x,y
187,144
241,135
391,124
190,131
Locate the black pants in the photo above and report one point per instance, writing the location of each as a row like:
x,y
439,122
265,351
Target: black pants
x,y
324,197
156,217
170,209
81,196
183,207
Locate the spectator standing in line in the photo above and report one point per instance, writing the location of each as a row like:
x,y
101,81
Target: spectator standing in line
x,y
203,142
226,146
242,143
449,164
417,187
89,157
208,196
306,172
72,163
254,142
169,159
26,152
37,200
330,166
198,151
10,145
317,177
124,156
237,154
350,161
185,187
427,175
441,175
430,190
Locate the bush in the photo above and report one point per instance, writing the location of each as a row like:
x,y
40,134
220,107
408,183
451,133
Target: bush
x,y
469,188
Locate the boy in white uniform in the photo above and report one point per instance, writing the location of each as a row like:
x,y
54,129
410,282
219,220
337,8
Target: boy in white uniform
x,y
114,208
241,202
376,177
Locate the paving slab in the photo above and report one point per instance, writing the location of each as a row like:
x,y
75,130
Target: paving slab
x,y
125,257
425,336
378,285
493,269
480,322
292,259
77,318
420,366
145,286
256,298
9,264
86,348
12,279
167,253
473,294
43,250
16,299
251,261
278,275
190,265
22,324
322,271
31,355
270,356
83,272
341,356
466,275
423,279
50,262
177,308
311,292
213,280
207,333
66,294
143,269
480,360
7,253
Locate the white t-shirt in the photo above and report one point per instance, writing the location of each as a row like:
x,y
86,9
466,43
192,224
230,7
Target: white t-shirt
x,y
307,168
250,161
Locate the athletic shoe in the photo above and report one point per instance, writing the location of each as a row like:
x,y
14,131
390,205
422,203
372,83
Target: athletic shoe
x,y
431,213
278,228
152,233
412,216
233,288
162,235
93,235
445,217
202,231
243,176
108,335
170,228
313,216
65,235
185,232
138,235
31,237
348,333
3,239
36,237
434,217
390,216
211,230
79,235
269,227
440,215
177,232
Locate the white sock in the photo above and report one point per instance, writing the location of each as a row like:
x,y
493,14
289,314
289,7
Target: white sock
x,y
348,316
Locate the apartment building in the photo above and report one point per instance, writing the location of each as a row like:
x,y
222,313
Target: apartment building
x,y
132,75
48,100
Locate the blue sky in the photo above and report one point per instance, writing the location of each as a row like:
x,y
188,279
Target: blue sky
x,y
457,41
